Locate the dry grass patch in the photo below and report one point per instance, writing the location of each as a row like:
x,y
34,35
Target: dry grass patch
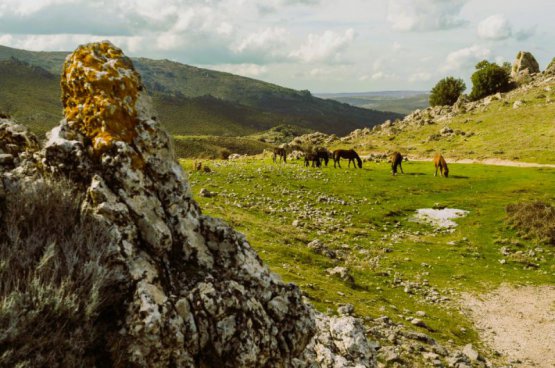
x,y
62,283
533,220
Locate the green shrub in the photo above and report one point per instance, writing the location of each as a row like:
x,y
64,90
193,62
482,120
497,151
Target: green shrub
x,y
59,300
489,78
533,220
446,91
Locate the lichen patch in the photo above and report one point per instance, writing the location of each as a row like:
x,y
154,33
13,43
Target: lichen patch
x,y
99,90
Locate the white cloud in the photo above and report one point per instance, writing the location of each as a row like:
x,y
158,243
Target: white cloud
x,y
495,27
325,47
425,15
268,40
464,59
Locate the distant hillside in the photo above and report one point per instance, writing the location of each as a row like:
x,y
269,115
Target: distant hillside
x,y
30,94
192,100
515,126
402,102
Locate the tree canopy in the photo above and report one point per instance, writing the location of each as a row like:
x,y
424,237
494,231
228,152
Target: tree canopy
x,y
489,78
446,91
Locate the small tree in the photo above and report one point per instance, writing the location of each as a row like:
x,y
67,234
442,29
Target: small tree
x,y
446,91
489,78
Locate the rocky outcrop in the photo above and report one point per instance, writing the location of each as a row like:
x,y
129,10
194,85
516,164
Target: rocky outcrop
x,y
340,342
201,297
16,143
550,68
524,65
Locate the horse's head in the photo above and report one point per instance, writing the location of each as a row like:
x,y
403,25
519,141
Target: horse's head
x,y
359,163
446,172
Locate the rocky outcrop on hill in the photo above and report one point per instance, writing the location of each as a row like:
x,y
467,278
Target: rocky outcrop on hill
x,y
550,68
313,139
440,115
200,296
525,64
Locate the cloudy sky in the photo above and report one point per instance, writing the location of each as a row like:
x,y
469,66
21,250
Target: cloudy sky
x,y
320,45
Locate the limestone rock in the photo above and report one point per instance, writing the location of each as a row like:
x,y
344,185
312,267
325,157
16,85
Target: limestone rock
x,y
339,342
525,63
200,294
16,139
342,273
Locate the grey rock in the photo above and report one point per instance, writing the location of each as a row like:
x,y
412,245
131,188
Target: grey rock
x,y
526,63
346,310
471,353
200,295
6,159
342,273
206,193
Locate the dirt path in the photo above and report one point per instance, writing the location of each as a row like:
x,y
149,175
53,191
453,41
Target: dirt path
x,y
517,322
488,161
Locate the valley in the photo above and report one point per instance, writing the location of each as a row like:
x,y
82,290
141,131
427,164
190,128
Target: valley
x,y
305,222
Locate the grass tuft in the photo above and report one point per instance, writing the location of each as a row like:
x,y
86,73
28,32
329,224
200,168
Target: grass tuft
x,y
533,220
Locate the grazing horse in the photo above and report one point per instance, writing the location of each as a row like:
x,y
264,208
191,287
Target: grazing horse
x,y
396,160
351,155
323,154
314,157
439,163
280,152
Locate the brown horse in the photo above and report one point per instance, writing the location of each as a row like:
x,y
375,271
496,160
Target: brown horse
x,y
314,157
351,155
280,152
439,163
323,154
396,160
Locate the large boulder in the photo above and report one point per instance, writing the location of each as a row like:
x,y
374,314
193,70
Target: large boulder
x,y
525,64
199,295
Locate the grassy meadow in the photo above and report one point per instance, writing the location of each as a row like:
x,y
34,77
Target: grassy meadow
x,y
362,219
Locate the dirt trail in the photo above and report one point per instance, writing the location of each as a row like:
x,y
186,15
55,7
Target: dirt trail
x,y
517,322
488,161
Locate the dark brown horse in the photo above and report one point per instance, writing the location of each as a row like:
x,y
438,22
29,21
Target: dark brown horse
x,y
351,155
439,163
396,161
312,157
280,152
323,154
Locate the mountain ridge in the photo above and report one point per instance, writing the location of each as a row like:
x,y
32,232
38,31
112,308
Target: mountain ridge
x,y
257,101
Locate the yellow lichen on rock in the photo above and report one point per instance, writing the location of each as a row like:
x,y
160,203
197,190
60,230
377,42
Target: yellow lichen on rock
x,y
99,90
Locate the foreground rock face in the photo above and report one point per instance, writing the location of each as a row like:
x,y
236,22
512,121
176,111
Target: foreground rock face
x,y
201,296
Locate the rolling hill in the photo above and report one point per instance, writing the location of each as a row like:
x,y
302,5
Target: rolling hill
x,y
514,126
190,100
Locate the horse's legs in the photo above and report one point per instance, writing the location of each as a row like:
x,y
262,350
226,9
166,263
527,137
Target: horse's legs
x,y
401,167
436,170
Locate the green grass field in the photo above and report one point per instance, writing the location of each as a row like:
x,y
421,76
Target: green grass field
x,y
364,216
